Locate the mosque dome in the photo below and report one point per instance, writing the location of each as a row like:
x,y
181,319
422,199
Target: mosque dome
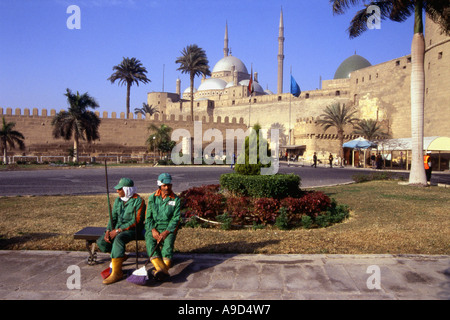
x,y
352,63
212,84
256,86
225,64
188,90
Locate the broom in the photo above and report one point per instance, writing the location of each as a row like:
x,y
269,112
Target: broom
x,y
140,276
106,273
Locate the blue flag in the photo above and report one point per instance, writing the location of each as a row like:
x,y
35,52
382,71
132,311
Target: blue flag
x,y
295,89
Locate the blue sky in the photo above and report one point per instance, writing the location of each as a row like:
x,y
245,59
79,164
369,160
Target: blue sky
x,y
40,57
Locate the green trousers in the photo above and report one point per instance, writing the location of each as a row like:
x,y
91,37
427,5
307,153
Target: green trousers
x,y
165,250
117,246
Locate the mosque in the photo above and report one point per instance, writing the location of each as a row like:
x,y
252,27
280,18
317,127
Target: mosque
x,y
380,92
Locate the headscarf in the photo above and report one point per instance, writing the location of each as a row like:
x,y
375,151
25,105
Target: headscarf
x,y
129,192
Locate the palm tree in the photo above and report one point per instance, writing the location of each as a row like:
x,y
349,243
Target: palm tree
x,y
77,122
146,108
9,137
338,117
400,10
370,129
160,137
194,62
129,71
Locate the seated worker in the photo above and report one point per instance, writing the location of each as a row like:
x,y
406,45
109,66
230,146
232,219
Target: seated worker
x,y
122,228
161,222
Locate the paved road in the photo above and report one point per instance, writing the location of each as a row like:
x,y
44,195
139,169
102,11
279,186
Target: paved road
x,y
77,181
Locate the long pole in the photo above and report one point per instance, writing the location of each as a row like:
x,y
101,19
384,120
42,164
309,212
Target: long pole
x,y
289,131
107,192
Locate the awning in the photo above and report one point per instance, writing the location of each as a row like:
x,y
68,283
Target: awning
x,y
434,143
295,147
359,143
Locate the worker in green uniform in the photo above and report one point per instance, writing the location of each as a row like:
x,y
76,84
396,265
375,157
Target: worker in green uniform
x,y
161,222
128,214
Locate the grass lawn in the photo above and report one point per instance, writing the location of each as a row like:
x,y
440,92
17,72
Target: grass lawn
x,y
385,218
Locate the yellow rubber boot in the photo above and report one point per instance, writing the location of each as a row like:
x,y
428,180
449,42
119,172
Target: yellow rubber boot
x,y
116,273
161,271
168,263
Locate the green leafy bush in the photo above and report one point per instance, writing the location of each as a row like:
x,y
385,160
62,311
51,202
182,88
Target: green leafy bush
x,y
276,186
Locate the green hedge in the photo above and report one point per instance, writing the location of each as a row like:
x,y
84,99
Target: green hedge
x,y
276,186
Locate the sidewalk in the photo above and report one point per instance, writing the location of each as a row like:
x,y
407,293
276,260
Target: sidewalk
x,y
51,274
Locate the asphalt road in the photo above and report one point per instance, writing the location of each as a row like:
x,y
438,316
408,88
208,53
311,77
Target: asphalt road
x,y
91,180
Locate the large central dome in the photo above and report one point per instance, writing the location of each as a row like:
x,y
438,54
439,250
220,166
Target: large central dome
x,y
225,64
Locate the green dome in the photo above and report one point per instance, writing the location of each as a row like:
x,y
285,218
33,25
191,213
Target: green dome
x,y
352,63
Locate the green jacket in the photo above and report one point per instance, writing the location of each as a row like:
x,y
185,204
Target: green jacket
x,y
123,213
162,214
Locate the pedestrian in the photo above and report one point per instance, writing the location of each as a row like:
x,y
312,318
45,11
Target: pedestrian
x,y
233,160
161,222
427,164
314,161
330,158
372,160
379,161
127,215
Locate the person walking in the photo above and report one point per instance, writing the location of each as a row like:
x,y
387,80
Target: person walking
x,y
330,158
127,214
161,222
314,161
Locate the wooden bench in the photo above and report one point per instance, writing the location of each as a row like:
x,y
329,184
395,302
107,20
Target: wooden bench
x,y
90,235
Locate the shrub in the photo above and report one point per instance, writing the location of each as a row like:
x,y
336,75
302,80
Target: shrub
x,y
314,202
276,186
225,221
203,201
240,209
265,210
282,221
307,222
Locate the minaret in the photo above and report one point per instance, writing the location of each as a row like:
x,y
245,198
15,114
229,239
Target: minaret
x,y
225,41
280,54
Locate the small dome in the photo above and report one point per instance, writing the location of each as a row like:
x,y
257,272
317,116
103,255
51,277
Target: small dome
x,y
188,90
225,64
212,84
229,84
352,63
256,86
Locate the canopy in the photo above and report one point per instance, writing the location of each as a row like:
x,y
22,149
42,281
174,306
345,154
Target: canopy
x,y
429,143
359,143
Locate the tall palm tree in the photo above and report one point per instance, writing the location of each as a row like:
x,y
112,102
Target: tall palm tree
x,y
146,108
400,10
370,129
337,117
9,137
129,71
194,62
77,122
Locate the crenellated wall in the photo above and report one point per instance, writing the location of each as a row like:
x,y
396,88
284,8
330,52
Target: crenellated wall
x,y
119,136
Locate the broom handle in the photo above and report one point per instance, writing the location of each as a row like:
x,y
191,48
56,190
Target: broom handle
x,y
107,192
136,233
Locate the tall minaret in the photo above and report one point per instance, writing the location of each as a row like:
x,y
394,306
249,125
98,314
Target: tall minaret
x,y
280,54
225,41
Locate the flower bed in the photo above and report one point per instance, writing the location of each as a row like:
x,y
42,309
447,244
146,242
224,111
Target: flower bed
x,y
310,209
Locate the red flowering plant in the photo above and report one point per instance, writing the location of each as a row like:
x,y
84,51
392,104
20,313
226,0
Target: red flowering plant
x,y
313,203
240,209
204,201
265,210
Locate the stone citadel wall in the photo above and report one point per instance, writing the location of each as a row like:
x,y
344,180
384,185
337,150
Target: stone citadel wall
x,y
118,136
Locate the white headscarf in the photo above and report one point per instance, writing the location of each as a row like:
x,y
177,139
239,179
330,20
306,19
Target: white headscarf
x,y
129,192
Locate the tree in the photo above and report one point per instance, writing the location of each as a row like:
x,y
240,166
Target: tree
x,y
160,138
77,122
400,10
370,129
245,164
146,108
9,137
194,62
129,71
338,117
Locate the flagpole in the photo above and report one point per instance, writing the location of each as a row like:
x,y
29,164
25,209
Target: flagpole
x,y
250,88
289,131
